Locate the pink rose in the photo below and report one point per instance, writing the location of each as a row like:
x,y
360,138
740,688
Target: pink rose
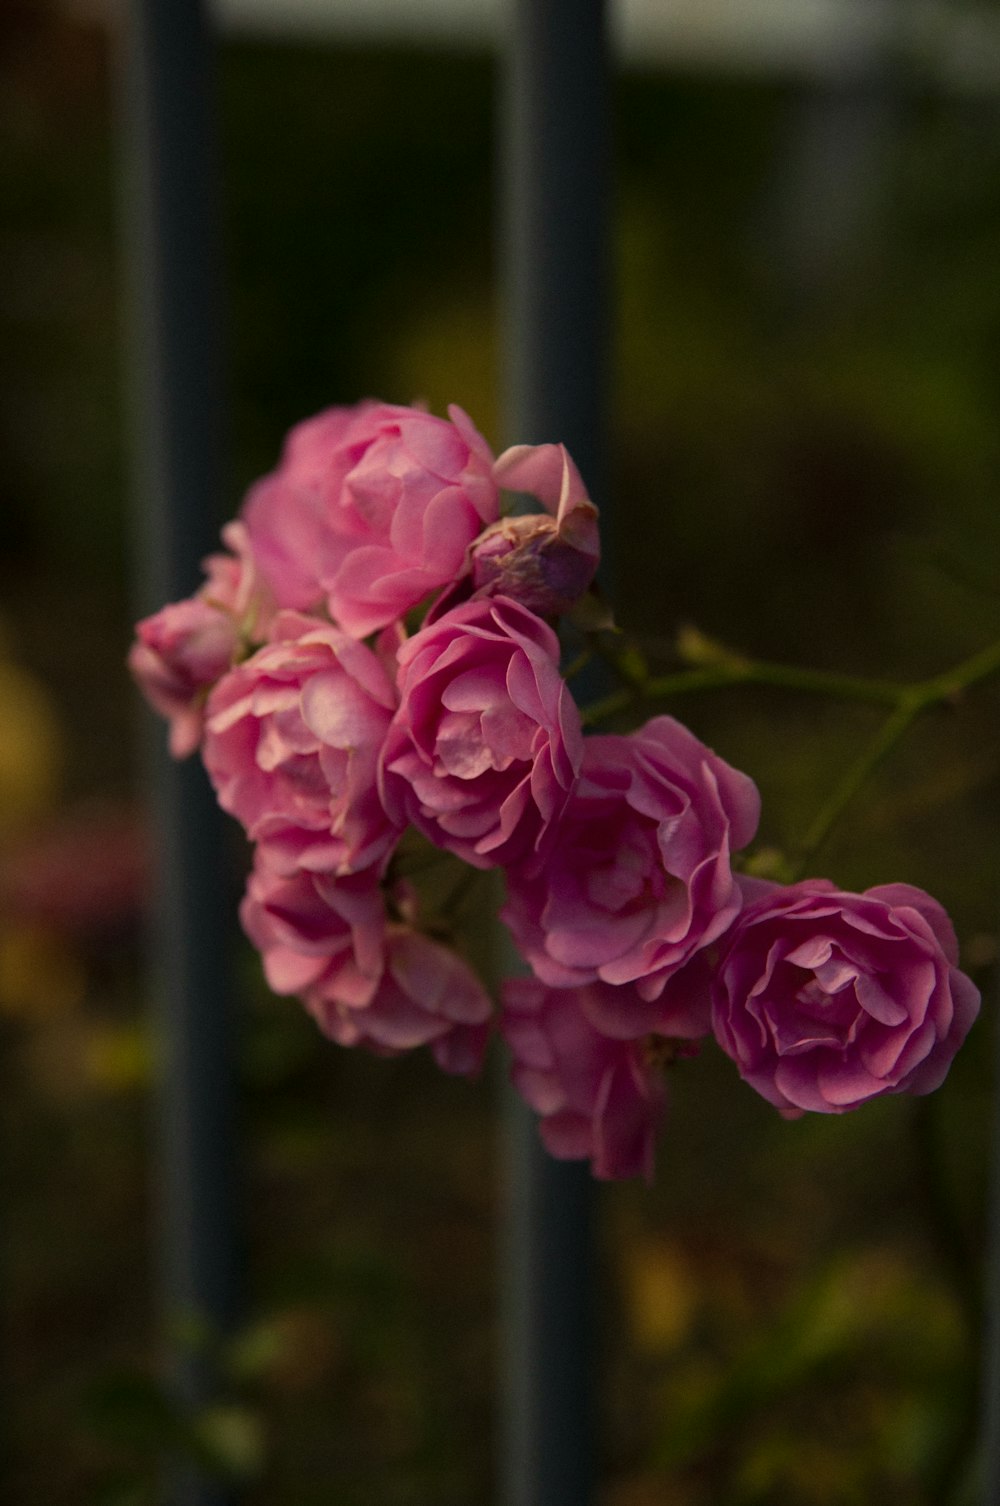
x,y
426,995
316,931
371,509
366,982
292,738
638,880
546,561
289,513
484,748
599,1098
184,648
825,999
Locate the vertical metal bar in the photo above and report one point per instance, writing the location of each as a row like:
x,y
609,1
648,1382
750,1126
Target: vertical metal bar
x,y
175,389
555,174
555,177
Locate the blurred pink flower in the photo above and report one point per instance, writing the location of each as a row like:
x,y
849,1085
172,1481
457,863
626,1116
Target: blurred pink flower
x,y
638,880
366,982
546,561
84,874
371,509
825,999
599,1098
484,748
292,738
182,650
426,995
316,931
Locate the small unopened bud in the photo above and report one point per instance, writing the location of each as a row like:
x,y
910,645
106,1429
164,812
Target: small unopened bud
x,y
547,560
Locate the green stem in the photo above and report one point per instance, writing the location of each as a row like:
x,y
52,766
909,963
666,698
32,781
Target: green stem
x,y
907,702
782,676
911,701
744,672
578,665
857,775
946,687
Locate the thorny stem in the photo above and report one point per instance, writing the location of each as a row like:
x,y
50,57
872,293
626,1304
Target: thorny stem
x,y
906,703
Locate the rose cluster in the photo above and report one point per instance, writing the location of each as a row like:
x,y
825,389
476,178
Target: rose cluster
x,y
375,656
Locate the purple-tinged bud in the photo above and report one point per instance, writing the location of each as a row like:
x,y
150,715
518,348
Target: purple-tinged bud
x,y
546,561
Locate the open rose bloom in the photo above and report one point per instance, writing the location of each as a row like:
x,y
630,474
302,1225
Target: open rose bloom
x,y
639,876
292,739
825,999
483,753
370,510
374,661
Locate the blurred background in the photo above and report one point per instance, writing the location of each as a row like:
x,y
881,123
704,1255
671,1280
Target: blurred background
x,y
806,447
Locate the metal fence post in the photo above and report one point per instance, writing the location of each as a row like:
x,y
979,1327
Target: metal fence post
x,y
554,141
174,389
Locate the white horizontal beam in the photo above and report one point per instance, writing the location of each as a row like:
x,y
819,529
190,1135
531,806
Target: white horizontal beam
x,y
955,47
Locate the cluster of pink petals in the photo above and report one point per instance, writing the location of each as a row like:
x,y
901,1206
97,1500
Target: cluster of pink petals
x,y
484,749
365,980
825,999
314,931
639,878
545,560
292,740
375,652
181,651
427,995
326,746
617,925
599,1097
371,510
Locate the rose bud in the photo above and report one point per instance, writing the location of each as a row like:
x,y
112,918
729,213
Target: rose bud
x,y
546,561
